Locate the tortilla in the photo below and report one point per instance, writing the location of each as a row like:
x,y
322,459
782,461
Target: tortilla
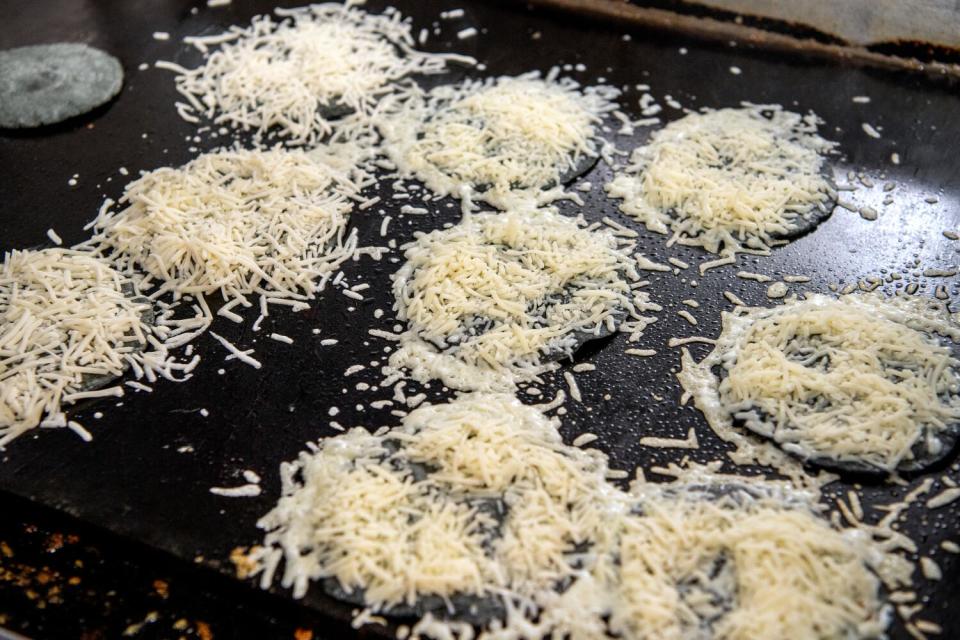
x,y
46,84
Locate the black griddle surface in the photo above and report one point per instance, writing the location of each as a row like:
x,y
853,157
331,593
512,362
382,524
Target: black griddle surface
x,y
146,475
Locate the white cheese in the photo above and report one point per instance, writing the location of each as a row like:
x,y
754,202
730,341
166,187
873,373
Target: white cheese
x,y
353,511
499,140
243,491
67,318
485,300
944,498
777,290
237,223
870,130
750,560
860,378
730,181
285,76
742,565
690,442
930,569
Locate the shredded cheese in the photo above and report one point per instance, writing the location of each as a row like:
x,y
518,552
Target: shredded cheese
x,y
690,442
730,181
354,509
740,563
69,322
240,223
488,299
479,500
292,76
858,380
499,140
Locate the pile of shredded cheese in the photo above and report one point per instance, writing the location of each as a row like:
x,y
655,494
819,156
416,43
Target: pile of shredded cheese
x,y
860,379
293,76
69,323
740,562
353,507
500,140
241,223
487,299
730,181
399,516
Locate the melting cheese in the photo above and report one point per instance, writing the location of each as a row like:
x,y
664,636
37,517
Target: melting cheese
x,y
503,140
859,378
353,508
730,181
740,568
486,299
480,497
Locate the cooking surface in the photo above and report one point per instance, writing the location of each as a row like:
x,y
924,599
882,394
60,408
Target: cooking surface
x,y
147,473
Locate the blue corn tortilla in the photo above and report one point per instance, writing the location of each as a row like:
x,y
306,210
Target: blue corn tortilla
x,y
50,83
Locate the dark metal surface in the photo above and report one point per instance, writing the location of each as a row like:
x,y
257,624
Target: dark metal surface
x,y
60,578
137,479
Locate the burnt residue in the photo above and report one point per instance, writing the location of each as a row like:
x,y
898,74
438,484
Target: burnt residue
x,y
908,49
62,579
922,51
783,27
723,27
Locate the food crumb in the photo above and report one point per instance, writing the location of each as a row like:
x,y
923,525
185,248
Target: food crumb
x,y
777,290
203,631
161,588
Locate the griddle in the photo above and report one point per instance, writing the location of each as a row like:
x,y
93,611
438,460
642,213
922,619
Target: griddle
x,y
147,473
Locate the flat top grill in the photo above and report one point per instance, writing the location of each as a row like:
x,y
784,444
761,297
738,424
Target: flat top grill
x,y
147,473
